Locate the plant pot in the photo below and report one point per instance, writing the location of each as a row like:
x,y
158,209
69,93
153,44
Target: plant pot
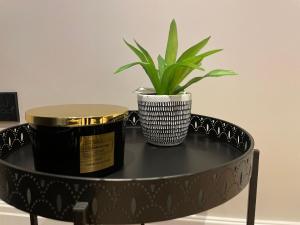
x,y
165,119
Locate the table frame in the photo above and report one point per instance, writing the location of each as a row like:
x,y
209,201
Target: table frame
x,y
80,208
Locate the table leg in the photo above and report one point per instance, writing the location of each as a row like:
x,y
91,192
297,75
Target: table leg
x,y
80,213
253,189
33,219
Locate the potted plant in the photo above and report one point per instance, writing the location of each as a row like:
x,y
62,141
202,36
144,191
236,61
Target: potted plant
x,y
165,109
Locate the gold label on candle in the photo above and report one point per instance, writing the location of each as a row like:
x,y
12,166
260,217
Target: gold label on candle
x,y
96,152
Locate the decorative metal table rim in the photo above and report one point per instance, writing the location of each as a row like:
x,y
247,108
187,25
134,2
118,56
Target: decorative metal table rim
x,y
122,199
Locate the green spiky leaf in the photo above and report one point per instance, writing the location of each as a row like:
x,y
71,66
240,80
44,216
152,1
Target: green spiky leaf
x,y
151,69
146,54
197,59
189,83
172,45
136,51
120,69
192,51
182,73
170,72
161,66
213,73
220,73
152,74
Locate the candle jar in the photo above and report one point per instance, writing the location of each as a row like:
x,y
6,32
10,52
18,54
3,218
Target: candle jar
x,y
78,139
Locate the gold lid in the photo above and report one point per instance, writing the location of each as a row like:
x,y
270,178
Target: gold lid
x,y
75,115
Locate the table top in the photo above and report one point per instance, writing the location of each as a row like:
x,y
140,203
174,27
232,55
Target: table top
x,y
156,183
142,160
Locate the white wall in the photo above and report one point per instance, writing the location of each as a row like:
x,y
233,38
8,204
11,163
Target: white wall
x,y
54,52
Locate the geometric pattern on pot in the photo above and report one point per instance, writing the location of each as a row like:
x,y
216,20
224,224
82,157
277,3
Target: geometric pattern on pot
x,y
165,119
127,201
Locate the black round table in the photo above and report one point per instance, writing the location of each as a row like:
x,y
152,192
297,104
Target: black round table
x,y
215,162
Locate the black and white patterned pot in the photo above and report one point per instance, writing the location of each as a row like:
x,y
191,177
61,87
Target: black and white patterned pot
x,y
165,118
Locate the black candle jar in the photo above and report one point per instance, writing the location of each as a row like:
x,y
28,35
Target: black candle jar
x,y
80,139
